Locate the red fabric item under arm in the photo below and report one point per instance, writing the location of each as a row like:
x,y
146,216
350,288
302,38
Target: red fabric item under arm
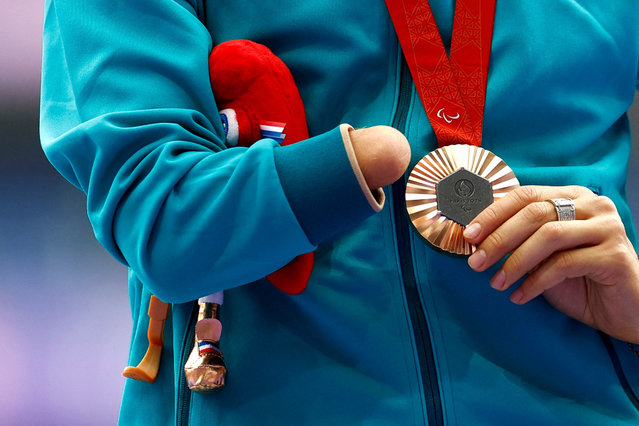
x,y
251,79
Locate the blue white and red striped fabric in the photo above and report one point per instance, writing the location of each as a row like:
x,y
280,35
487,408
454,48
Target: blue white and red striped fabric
x,y
207,346
273,130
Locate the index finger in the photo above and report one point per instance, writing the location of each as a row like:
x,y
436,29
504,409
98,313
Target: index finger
x,y
501,210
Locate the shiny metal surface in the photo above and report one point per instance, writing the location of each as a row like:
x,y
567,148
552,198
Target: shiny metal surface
x,y
421,191
205,371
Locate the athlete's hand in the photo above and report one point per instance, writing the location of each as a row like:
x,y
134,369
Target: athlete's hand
x,y
586,268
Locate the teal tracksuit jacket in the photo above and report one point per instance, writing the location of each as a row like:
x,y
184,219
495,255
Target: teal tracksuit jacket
x,y
389,331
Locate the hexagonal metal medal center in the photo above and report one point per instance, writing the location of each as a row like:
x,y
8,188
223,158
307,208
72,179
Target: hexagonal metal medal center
x,y
463,195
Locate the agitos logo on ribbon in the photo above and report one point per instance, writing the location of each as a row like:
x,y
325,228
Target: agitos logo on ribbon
x,y
447,118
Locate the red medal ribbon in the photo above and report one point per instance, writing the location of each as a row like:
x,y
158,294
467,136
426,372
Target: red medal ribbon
x,y
452,89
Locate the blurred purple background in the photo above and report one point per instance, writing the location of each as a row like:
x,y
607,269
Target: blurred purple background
x,y
64,313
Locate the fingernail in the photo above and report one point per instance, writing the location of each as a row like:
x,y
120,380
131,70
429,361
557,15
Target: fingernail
x,y
477,259
472,230
517,296
498,280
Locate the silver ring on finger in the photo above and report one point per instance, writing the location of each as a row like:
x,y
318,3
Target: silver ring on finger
x,y
565,208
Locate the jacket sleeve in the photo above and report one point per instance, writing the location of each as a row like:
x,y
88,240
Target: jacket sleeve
x,y
128,116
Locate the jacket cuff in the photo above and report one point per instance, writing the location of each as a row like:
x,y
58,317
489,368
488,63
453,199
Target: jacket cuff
x,y
376,196
324,185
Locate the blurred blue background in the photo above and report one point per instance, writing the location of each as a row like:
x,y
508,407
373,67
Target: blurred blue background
x,y
64,313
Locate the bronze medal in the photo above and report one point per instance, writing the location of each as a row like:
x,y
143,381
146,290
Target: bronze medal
x,y
449,187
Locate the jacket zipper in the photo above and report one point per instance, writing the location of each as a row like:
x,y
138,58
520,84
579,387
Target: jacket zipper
x,y
183,406
421,332
616,363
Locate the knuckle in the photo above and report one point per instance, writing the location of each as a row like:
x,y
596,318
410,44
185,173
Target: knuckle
x,y
489,213
616,227
515,262
552,231
565,260
495,241
610,225
526,194
577,191
489,217
619,250
605,205
536,212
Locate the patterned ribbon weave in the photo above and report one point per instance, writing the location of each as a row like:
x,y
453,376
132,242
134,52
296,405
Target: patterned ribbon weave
x,y
452,88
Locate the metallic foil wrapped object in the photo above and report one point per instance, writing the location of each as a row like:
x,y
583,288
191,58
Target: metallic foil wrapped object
x,y
462,195
205,369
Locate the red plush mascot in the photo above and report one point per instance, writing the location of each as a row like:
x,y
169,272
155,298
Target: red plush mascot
x,y
258,99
